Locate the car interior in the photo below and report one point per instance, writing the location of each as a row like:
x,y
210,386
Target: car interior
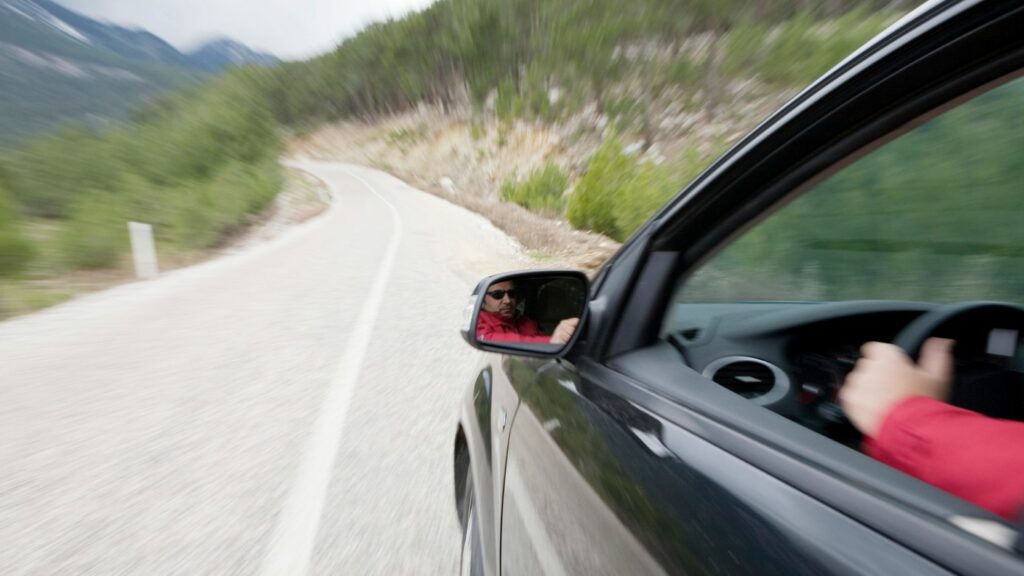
x,y
922,236
550,300
792,358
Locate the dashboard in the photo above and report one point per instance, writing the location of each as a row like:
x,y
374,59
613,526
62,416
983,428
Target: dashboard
x,y
792,358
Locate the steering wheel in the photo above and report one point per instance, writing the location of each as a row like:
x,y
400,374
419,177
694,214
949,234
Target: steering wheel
x,y
994,389
938,322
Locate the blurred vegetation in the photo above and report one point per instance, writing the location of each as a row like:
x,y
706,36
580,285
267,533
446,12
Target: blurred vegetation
x,y
193,165
802,48
934,215
542,190
549,61
516,52
619,192
15,250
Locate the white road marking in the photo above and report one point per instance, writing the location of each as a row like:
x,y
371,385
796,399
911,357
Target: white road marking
x,y
291,546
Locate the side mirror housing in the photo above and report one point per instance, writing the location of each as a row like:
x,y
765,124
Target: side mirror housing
x,y
531,313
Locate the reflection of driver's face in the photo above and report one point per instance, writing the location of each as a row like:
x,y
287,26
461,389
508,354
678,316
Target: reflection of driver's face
x,y
505,306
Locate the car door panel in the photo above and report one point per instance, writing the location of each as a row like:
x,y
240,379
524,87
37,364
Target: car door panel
x,y
596,485
552,514
911,516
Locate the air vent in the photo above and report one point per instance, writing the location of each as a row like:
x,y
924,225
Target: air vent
x,y
747,377
690,333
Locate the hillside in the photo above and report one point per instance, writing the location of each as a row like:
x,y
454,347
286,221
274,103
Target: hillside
x,y
619,104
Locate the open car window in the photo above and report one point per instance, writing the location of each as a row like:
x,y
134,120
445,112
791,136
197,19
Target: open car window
x,y
935,215
928,220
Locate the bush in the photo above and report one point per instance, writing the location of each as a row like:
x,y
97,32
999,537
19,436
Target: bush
x,y
648,190
593,204
15,250
47,175
195,167
618,194
203,214
540,192
800,49
96,235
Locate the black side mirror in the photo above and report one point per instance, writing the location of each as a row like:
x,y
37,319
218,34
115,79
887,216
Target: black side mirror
x,y
534,313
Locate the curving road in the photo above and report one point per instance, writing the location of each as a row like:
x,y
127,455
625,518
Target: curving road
x,y
283,410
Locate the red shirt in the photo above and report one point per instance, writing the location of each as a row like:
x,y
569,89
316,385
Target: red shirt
x,y
975,457
496,328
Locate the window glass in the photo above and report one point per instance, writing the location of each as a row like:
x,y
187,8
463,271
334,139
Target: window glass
x,y
934,215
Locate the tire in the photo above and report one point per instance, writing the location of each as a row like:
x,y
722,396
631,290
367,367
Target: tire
x,y
472,561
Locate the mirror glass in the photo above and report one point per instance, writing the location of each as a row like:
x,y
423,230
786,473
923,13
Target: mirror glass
x,y
541,310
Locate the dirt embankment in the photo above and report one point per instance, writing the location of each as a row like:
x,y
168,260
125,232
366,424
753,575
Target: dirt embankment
x,y
465,158
466,163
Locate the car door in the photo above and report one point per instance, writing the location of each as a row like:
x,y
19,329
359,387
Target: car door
x,y
496,399
625,459
597,484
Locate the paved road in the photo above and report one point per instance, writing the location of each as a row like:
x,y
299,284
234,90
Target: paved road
x,y
283,410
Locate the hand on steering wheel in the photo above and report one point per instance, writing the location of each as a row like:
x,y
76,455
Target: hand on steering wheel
x,y
885,376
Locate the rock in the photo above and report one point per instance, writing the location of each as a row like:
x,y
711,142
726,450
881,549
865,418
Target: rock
x,y
448,185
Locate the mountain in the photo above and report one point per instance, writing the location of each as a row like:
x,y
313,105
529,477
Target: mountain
x,y
57,65
224,52
134,44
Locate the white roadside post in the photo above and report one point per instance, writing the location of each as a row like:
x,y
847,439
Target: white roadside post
x,y
143,249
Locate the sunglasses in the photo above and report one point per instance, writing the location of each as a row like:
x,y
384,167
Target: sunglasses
x,y
499,294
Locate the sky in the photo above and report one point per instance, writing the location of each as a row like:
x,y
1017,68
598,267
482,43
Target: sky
x,y
289,29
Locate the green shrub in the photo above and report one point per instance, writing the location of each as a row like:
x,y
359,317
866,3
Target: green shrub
x,y
477,131
96,235
195,167
541,191
618,193
682,72
800,49
203,213
593,205
649,188
46,175
15,251
508,105
625,112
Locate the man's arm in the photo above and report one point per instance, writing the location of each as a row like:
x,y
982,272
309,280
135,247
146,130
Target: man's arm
x,y
526,332
513,337
900,407
977,458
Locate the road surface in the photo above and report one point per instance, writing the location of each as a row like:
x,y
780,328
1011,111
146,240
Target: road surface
x,y
287,409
